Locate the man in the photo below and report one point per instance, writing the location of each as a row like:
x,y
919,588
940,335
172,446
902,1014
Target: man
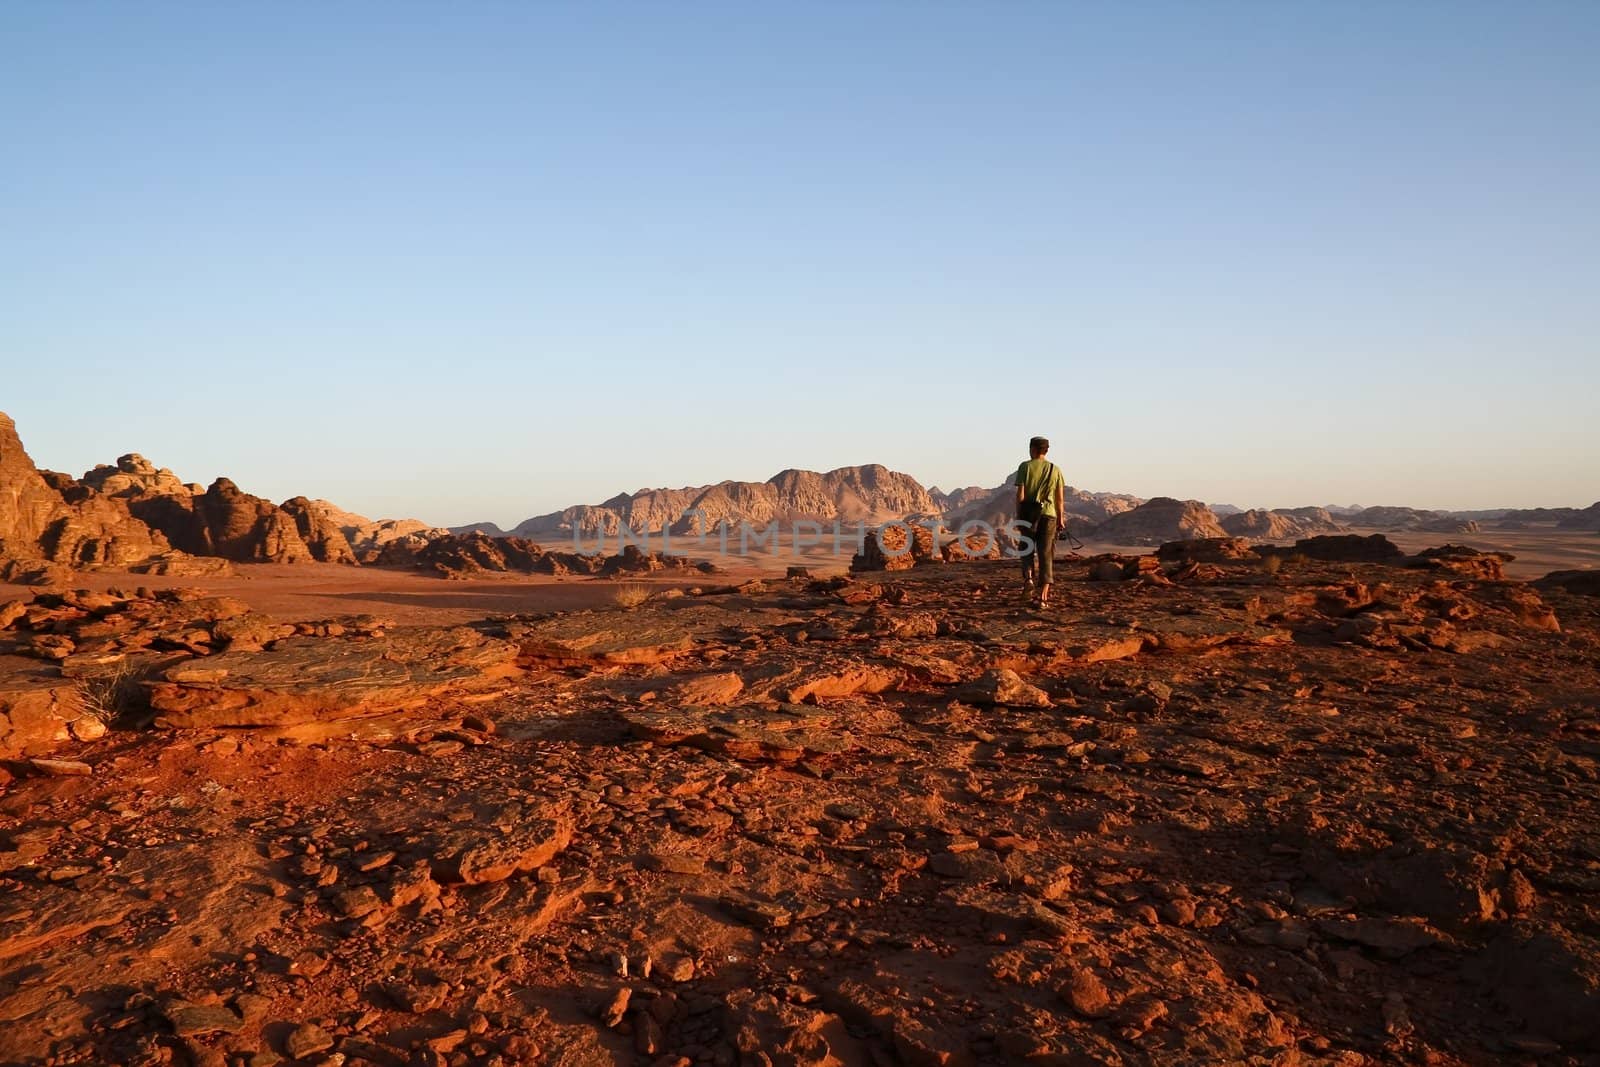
x,y
1041,501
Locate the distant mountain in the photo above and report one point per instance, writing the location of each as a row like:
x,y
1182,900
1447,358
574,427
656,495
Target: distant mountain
x,y
479,527
870,493
1159,519
998,506
1564,518
1389,517
874,494
1281,524
960,498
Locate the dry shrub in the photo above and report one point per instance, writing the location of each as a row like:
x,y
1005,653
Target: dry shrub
x,y
630,596
111,694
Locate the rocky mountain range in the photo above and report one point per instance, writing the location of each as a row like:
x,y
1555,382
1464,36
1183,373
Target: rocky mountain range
x,y
872,494
136,515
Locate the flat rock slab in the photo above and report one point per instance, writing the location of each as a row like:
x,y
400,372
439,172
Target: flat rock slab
x,y
319,679
32,921
1182,633
1101,648
842,680
586,639
478,854
37,707
786,733
720,688
1392,938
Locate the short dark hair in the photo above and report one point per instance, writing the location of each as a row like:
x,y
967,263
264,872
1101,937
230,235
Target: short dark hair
x,y
1038,444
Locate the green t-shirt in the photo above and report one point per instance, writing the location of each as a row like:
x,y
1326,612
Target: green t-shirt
x,y
1040,479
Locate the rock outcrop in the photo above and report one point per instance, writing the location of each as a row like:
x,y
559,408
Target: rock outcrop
x,y
225,521
137,515
1341,548
315,523
900,546
134,476
37,522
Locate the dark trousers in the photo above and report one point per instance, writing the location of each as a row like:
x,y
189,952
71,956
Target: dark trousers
x,y
1039,564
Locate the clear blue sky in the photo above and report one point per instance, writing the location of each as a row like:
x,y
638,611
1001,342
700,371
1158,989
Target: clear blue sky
x,y
476,261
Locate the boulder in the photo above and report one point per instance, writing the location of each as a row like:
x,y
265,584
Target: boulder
x,y
896,547
513,842
1002,686
1464,561
786,733
1206,550
37,708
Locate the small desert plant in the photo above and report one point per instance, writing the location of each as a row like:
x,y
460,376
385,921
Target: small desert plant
x,y
1272,564
111,694
630,596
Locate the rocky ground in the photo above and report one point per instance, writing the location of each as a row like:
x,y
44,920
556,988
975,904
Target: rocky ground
x,y
1197,811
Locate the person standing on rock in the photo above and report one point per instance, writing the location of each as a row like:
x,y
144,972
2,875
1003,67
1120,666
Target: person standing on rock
x,y
1041,501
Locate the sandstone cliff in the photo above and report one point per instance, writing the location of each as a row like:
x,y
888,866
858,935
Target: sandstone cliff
x,y
38,523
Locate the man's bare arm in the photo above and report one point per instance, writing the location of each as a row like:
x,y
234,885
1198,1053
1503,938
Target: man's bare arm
x,y
1019,498
1061,503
